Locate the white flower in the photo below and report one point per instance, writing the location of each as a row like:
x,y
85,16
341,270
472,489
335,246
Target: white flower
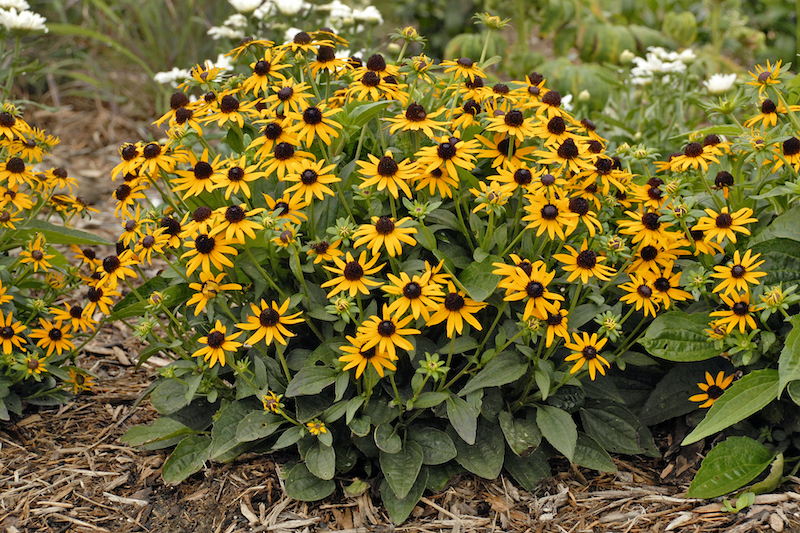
x,y
566,102
289,34
245,6
720,83
23,20
368,14
289,7
224,62
173,76
224,32
236,21
626,56
19,5
687,56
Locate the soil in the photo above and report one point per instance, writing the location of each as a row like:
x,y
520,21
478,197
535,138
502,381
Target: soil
x,y
63,468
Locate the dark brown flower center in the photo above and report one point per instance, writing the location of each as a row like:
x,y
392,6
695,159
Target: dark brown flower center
x,y
228,104
76,311
284,151
416,113
209,97
548,180
649,253
387,166
151,151
326,54
55,334
534,78
738,271
178,100
320,247
579,205
549,212
412,290
272,131
500,88
148,241
650,221
15,165
654,193
714,392
384,225
472,107
202,213
588,124
587,259
281,208
129,151
94,294
552,98
768,107
453,301
477,83
464,62
37,255
183,114
173,227
534,289
312,116
353,271
693,150
595,147
376,63
130,225
791,146
370,79
724,220
526,267
7,332
215,339
269,317
523,176
302,38
723,179
711,140
662,284
589,352
644,291
554,319
386,328
262,68
604,166
7,120
234,214
204,244
446,150
308,177
111,263
514,118
5,216
236,174
286,236
556,126
697,234
741,308
568,150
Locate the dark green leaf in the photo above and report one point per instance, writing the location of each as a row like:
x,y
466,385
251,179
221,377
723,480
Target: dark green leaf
x,y
187,458
485,457
402,468
558,428
437,446
789,361
169,396
745,397
60,235
676,336
613,427
429,399
387,439
589,454
463,419
503,368
321,460
398,508
302,485
223,433
781,261
478,279
289,437
731,464
528,471
310,380
162,429
258,425
522,435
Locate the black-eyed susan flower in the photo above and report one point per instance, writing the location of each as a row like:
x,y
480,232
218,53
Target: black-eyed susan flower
x,y
502,269
100,298
556,326
52,337
126,197
201,220
289,96
312,180
326,61
385,232
11,125
505,156
438,179
35,255
229,109
584,264
234,222
9,219
132,228
712,389
286,236
549,104
551,216
449,152
324,251
116,268
315,121
356,356
205,251
763,77
158,157
265,71
645,227
695,156
702,244
415,118
463,68
790,152
513,124
567,156
724,224
640,293
87,256
269,322
34,365
131,159
59,178
386,333
79,381
273,132
371,87
303,42
416,293
667,285
529,283
287,207
235,175
386,173
586,351
10,333
518,177
580,206
272,402
739,314
15,172
456,308
154,240
203,176
491,197
464,116
75,316
4,296
209,287
316,427
352,274
217,345
12,196
738,274
769,114
285,159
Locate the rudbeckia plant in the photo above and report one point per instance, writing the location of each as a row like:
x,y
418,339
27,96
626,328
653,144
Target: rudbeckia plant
x,y
356,271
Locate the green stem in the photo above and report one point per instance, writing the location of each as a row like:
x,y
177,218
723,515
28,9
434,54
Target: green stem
x,y
263,273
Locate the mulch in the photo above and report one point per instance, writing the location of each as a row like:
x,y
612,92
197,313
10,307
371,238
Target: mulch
x,y
63,468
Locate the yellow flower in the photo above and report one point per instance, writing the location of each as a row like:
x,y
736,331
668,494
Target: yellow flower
x,y
384,231
217,344
586,351
712,389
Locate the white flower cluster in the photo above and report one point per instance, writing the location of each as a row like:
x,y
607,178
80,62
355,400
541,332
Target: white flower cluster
x,y
14,15
720,83
178,75
659,62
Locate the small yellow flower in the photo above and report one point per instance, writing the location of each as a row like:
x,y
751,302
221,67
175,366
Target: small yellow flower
x,y
315,427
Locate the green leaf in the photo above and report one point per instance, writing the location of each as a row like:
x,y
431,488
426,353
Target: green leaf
x,y
584,313
187,458
131,306
430,399
503,368
321,460
387,439
310,380
613,427
558,428
223,433
783,227
463,419
485,457
363,113
360,426
781,261
522,435
402,468
426,237
676,336
789,360
478,279
289,437
400,508
169,396
528,471
162,429
589,454
731,464
745,397
794,391
54,234
437,446
302,485
258,425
